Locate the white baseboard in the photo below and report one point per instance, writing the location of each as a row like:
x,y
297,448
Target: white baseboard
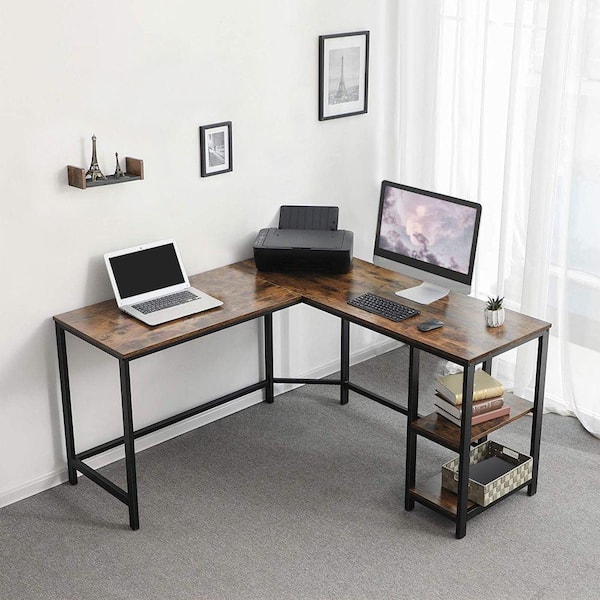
x,y
55,478
33,487
334,365
50,480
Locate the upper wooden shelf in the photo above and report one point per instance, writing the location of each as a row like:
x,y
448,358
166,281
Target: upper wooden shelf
x,y
446,433
134,171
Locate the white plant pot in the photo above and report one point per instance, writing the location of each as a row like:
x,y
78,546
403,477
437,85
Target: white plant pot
x,y
494,318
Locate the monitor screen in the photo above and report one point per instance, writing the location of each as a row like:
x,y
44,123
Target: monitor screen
x,y
428,236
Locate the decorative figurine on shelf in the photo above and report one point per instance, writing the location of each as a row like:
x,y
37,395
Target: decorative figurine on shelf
x,y
94,171
118,170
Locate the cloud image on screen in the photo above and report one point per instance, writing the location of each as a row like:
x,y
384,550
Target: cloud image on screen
x,y
427,229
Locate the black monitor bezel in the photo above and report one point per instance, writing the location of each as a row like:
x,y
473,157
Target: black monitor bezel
x,y
464,278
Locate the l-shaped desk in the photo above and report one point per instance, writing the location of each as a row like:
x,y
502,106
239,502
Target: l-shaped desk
x,y
249,294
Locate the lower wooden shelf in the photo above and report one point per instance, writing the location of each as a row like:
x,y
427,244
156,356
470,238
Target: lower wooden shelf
x,y
431,493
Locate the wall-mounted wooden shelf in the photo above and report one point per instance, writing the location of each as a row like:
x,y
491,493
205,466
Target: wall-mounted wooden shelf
x,y
134,171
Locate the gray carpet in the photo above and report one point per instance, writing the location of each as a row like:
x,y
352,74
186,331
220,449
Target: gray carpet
x,y
304,499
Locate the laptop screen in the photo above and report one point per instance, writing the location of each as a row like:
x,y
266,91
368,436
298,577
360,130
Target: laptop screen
x,y
146,270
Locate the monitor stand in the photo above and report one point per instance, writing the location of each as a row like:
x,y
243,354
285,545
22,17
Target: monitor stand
x,y
426,293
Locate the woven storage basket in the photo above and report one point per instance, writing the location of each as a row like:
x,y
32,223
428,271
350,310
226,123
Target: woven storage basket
x,y
488,493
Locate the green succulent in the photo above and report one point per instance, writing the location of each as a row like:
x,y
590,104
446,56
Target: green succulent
x,y
495,303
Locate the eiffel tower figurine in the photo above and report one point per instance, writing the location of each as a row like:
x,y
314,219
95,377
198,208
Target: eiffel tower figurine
x,y
94,170
118,170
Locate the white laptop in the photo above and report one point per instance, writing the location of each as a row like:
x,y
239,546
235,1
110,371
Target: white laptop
x,y
150,283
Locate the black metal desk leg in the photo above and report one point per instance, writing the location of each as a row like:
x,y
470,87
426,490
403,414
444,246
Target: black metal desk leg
x,y
411,436
464,452
345,361
538,409
487,367
65,390
268,332
132,496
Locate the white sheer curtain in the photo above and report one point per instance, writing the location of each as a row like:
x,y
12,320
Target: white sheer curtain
x,y
499,102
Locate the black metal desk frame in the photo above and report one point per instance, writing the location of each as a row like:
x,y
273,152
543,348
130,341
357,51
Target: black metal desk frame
x,y
75,461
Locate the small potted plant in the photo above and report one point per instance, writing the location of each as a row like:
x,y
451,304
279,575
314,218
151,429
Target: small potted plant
x,y
494,311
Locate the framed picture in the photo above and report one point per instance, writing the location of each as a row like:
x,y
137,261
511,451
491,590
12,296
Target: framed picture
x,y
343,74
215,149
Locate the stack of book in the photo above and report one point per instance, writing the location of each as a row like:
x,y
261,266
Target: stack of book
x,y
488,398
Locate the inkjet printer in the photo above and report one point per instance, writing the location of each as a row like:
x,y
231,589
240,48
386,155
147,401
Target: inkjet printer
x,y
307,239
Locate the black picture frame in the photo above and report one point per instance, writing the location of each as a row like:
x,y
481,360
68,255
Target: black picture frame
x,y
216,149
343,74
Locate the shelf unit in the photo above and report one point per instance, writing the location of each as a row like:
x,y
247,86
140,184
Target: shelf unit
x,y
430,493
134,171
447,434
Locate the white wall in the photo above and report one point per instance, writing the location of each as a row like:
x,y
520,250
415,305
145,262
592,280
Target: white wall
x,y
143,75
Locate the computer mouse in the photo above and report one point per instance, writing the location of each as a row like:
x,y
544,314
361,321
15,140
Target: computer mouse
x,y
429,325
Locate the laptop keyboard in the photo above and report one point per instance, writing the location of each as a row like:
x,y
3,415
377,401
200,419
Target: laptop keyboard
x,y
394,311
163,302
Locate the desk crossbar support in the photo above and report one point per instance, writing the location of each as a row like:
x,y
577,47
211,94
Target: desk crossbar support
x,y
377,398
192,412
103,482
306,381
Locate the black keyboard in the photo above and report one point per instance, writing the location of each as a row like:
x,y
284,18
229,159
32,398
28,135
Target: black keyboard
x,y
394,311
151,306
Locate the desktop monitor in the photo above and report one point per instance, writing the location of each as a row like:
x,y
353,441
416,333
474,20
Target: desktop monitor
x,y
427,236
